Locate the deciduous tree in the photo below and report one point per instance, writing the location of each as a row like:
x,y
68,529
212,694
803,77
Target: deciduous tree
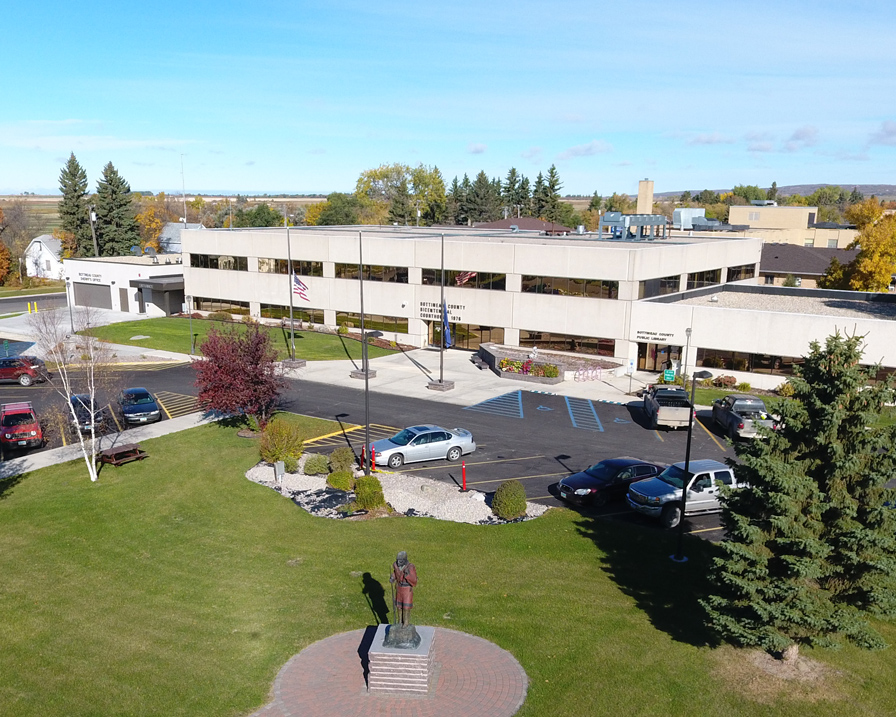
x,y
238,374
339,210
810,551
875,264
864,213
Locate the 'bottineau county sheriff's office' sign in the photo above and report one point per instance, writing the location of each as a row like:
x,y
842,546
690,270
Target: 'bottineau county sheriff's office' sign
x,y
91,278
433,310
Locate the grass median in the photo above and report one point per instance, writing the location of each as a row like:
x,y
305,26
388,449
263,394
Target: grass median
x,y
173,334
174,586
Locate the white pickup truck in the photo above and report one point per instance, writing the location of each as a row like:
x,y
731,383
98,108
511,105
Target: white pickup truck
x,y
739,416
667,405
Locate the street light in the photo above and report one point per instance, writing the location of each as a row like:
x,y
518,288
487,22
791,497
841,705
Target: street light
x,y
189,301
679,557
71,316
92,217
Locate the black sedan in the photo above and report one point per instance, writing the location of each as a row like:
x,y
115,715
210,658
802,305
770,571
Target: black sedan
x,y
606,480
87,420
137,405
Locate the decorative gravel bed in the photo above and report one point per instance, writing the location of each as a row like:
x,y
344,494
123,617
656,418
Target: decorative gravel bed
x,y
408,495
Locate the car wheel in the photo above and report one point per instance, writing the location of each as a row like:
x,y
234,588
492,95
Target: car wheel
x,y
454,453
599,500
671,516
732,434
396,460
25,379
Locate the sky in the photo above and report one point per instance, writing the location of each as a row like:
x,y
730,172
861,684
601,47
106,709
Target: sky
x,y
273,96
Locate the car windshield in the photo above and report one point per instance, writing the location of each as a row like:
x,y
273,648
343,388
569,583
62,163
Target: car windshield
x,y
136,399
600,471
18,419
674,476
402,438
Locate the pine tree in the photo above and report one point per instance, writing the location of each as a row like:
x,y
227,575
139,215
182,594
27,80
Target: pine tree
x,y
116,227
595,204
772,192
525,198
73,208
553,185
510,190
401,208
539,197
810,551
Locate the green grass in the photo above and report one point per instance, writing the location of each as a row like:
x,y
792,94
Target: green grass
x,y
173,334
54,288
174,586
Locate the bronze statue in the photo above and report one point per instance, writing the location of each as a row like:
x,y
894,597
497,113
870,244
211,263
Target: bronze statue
x,y
402,634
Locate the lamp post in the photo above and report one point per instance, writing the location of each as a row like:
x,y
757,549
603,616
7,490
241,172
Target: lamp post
x,y
92,216
189,300
71,316
679,557
292,288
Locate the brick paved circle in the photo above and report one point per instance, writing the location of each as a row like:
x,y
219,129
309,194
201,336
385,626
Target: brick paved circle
x,y
472,677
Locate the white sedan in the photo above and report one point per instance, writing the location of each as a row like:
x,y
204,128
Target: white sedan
x,y
423,443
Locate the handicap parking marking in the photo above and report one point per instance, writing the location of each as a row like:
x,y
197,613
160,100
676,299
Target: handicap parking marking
x,y
509,405
583,415
620,420
544,408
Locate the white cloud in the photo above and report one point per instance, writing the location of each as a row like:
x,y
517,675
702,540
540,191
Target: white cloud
x,y
597,146
885,135
474,148
531,153
760,146
802,137
711,138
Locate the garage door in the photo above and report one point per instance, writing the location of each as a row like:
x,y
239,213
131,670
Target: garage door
x,y
96,295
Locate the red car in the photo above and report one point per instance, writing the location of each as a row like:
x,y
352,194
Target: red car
x,y
21,370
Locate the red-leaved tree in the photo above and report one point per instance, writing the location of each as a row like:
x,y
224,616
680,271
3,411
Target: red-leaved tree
x,y
238,374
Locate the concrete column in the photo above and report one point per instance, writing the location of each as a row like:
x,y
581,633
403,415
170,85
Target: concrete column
x,y
512,337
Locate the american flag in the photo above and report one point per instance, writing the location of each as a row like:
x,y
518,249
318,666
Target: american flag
x,y
299,288
464,277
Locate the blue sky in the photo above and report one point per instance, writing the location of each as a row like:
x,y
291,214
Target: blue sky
x,y
274,96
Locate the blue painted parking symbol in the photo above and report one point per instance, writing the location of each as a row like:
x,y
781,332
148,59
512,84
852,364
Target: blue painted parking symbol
x,y
544,408
620,420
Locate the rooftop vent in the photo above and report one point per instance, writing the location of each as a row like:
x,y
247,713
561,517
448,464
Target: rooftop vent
x,y
514,228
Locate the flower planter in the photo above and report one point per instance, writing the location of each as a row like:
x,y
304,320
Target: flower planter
x,y
528,378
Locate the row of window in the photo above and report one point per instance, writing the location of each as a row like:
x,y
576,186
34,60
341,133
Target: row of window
x,y
275,311
466,279
281,266
658,287
373,322
389,274
202,303
561,286
567,342
219,261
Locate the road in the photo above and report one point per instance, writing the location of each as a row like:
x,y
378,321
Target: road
x,y
536,438
19,304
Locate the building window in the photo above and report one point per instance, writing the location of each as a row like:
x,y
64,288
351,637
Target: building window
x,y
753,216
740,361
275,311
219,261
388,274
739,273
281,266
699,279
769,279
47,261
832,244
467,336
203,303
564,286
565,342
466,279
808,242
658,287
373,322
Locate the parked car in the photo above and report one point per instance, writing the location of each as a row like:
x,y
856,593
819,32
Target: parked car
x,y
740,415
86,420
667,405
37,364
137,405
661,497
606,480
17,368
19,426
423,443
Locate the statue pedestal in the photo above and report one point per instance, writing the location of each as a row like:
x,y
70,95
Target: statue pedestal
x,y
400,669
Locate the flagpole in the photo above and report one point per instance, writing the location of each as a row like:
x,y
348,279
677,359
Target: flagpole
x,y
292,288
364,358
444,319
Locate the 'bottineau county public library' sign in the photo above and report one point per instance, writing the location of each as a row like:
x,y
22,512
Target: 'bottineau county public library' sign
x,y
432,311
658,337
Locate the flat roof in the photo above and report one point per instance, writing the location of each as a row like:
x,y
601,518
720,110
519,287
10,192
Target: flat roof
x,y
501,236
162,260
788,304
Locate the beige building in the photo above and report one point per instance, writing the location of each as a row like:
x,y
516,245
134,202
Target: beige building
x,y
789,225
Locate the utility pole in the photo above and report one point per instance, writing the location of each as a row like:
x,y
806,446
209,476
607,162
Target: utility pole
x,y
183,189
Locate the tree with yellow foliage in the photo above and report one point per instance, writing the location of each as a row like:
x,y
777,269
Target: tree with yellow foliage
x,y
151,222
864,213
875,264
313,212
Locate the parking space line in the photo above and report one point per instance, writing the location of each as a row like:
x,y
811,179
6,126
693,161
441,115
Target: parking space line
x,y
709,433
501,480
114,418
480,463
340,432
657,434
705,530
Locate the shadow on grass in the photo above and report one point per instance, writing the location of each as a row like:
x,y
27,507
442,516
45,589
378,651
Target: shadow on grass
x,y
375,594
637,559
8,482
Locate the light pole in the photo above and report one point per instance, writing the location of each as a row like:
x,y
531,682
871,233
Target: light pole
x,y
71,316
292,288
189,300
679,557
92,216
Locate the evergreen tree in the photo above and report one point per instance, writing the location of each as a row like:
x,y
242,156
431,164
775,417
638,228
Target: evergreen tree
x,y
856,196
524,200
552,195
73,207
772,192
539,197
116,227
401,207
453,201
595,204
484,200
811,550
685,197
466,208
510,191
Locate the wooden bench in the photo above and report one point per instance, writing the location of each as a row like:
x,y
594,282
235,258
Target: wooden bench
x,y
119,455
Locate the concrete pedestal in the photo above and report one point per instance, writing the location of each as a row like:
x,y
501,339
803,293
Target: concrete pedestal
x,y
440,385
359,373
400,670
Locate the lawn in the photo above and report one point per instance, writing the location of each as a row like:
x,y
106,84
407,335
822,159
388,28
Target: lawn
x,y
173,334
55,287
174,586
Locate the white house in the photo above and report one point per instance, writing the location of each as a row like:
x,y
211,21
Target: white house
x,y
43,258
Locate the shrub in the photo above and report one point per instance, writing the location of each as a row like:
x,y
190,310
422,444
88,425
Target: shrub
x,y
369,493
342,459
220,316
743,387
510,500
281,440
341,480
342,330
316,465
706,382
252,422
785,389
291,464
724,381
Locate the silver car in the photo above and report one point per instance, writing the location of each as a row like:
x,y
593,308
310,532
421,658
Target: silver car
x,y
423,443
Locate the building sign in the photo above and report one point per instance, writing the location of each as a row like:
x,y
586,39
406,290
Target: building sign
x,y
655,337
433,310
90,278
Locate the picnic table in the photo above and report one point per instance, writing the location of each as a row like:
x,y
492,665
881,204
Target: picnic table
x,y
119,455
